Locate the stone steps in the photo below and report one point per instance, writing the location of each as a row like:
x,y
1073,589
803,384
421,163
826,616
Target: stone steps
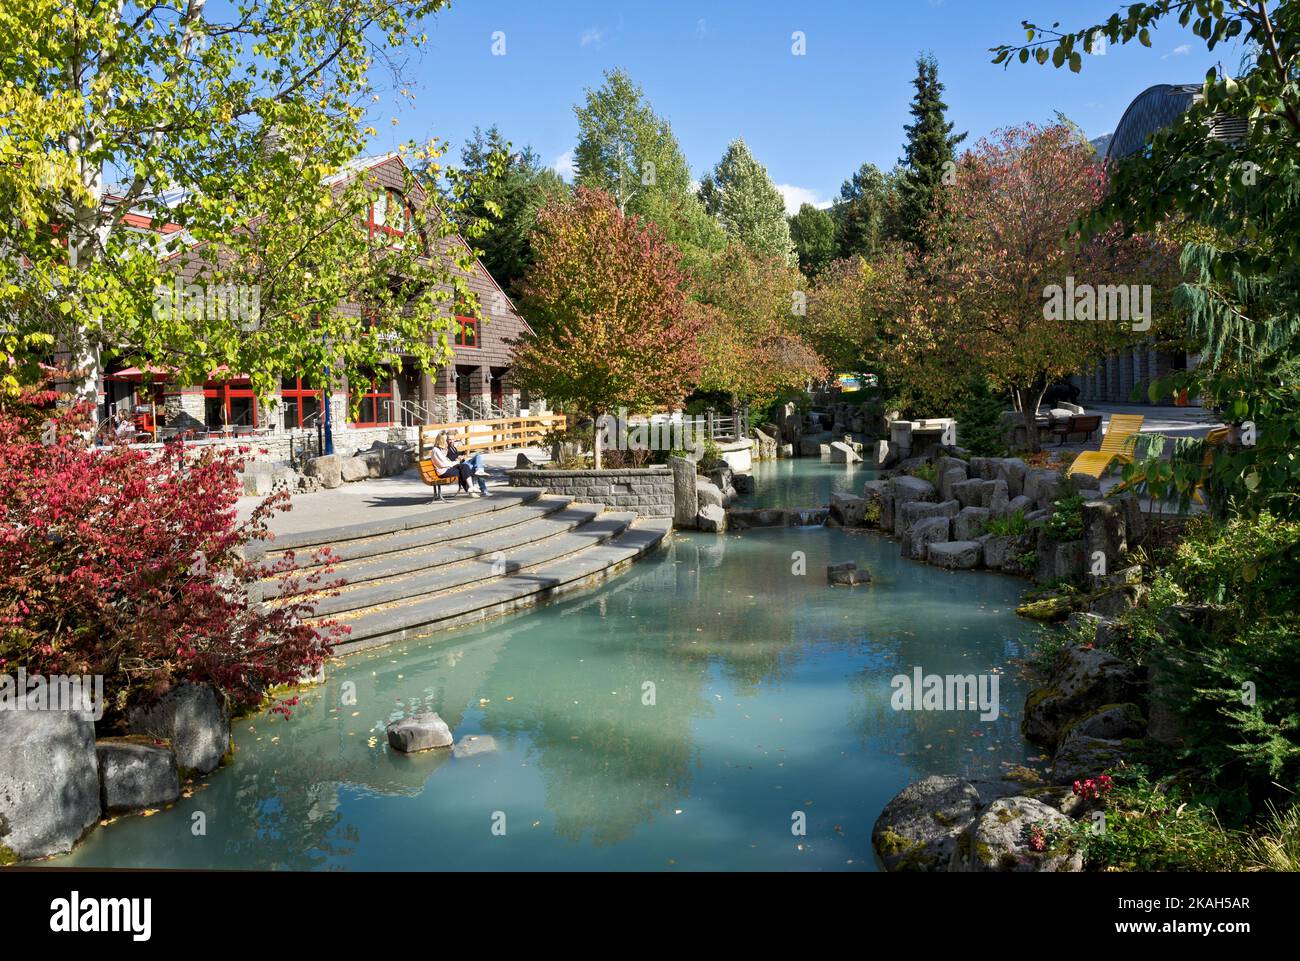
x,y
494,555
464,562
375,558
595,551
366,538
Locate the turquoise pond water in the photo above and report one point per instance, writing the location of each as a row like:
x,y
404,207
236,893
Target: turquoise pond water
x,y
771,697
803,482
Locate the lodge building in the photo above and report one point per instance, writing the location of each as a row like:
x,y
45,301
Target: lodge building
x,y
475,385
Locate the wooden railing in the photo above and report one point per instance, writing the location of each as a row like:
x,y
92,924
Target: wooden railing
x,y
484,436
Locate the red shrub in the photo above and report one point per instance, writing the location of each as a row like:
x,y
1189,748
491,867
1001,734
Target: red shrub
x,y
130,563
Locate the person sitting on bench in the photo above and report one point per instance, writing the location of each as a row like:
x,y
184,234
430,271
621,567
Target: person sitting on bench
x,y
447,467
475,461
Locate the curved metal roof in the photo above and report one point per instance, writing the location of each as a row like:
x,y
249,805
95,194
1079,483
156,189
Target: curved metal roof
x,y
1153,109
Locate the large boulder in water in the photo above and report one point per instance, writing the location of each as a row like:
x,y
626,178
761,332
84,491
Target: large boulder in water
x,y
192,718
1016,834
931,530
707,494
919,827
847,509
711,519
686,498
49,781
135,774
422,732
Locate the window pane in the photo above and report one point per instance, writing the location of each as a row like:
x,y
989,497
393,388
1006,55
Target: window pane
x,y
241,410
213,412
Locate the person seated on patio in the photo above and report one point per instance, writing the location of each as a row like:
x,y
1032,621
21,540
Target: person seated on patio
x,y
475,462
123,427
447,467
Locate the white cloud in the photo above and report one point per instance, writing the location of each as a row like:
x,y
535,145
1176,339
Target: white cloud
x,y
1181,50
564,165
701,28
796,197
592,36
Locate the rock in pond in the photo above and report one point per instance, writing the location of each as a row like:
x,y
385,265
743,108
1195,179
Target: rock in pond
x,y
135,773
1014,834
707,493
916,542
847,575
421,732
473,745
192,718
711,519
842,453
955,555
919,827
49,781
686,497
847,509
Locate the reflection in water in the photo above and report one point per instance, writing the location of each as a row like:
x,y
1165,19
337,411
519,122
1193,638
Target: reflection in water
x,y
770,695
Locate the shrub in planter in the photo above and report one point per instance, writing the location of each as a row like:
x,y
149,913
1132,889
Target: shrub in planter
x,y
130,564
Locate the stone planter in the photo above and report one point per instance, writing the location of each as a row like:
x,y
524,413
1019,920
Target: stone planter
x,y
647,491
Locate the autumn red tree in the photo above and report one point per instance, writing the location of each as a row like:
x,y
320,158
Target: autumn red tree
x,y
606,297
131,564
983,300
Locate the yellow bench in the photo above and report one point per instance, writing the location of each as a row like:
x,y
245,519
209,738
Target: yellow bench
x,y
1116,444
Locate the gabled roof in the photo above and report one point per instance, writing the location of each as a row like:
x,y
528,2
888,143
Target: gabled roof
x,y
352,168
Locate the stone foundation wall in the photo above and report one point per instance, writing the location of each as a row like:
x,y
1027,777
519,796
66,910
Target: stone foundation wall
x,y
274,448
647,490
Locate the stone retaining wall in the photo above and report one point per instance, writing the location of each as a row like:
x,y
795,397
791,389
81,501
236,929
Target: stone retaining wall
x,y
646,490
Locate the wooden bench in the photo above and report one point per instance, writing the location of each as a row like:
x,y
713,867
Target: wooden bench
x,y
482,437
431,477
1078,424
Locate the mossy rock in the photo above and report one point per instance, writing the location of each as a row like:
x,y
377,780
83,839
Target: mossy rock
x,y
919,826
1108,721
998,840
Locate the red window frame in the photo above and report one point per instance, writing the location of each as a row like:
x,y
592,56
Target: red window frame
x,y
467,323
299,393
225,391
392,197
373,394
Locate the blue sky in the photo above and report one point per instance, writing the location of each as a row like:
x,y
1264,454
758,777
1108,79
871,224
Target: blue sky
x,y
720,70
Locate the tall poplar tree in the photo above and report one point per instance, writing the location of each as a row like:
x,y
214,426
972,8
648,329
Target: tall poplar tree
x,y
628,151
747,204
